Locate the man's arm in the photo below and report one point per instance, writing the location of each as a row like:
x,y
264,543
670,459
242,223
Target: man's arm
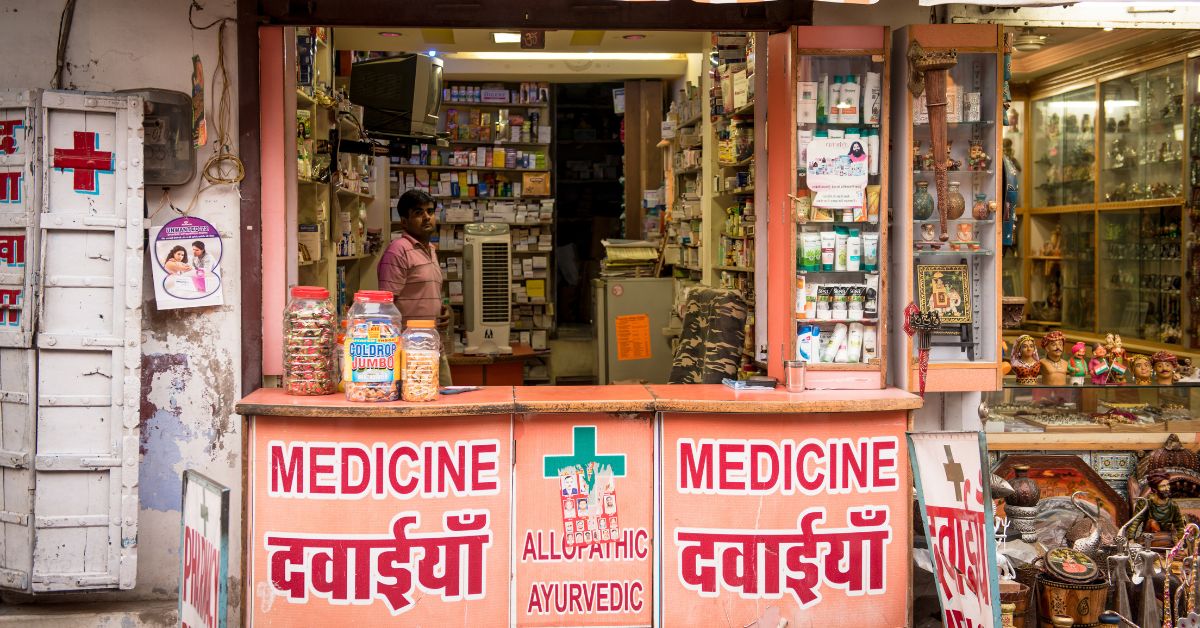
x,y
393,271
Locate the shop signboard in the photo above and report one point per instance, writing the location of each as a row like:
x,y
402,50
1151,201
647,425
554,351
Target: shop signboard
x,y
203,553
956,510
366,522
763,523
584,519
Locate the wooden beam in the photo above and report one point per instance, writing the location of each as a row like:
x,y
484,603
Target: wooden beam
x,y
250,229
547,14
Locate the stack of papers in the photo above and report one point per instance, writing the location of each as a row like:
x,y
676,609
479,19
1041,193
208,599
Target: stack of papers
x,y
629,258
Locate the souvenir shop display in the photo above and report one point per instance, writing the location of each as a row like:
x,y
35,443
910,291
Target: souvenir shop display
x,y
1103,244
841,240
946,82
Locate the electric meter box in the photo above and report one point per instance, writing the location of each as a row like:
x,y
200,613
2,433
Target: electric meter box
x,y
170,150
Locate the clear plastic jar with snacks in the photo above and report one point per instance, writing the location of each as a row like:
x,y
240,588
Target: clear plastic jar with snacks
x,y
422,358
371,362
309,362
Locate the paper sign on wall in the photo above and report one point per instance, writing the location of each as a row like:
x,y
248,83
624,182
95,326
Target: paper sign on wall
x,y
956,509
633,337
837,171
187,258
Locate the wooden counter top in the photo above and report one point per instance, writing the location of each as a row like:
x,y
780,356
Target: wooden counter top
x,y
617,398
710,398
273,401
720,398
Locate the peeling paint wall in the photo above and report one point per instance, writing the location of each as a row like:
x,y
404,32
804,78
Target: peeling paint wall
x,y
190,358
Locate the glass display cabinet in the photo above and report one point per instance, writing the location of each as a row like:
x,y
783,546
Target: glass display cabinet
x,y
1141,273
1061,262
1074,418
1064,144
840,249
957,278
1109,253
1142,149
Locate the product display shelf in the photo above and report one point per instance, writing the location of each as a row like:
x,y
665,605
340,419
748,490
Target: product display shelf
x,y
1091,418
962,286
739,136
477,130
312,199
686,194
839,306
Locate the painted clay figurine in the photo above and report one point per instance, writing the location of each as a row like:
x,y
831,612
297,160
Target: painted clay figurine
x,y
1098,367
1025,362
1164,367
1077,366
977,160
1117,361
1054,367
1143,371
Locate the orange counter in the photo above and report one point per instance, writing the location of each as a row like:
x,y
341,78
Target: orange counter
x,y
588,506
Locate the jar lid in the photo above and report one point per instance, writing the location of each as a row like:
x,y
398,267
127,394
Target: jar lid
x,y
1071,565
374,296
309,292
421,324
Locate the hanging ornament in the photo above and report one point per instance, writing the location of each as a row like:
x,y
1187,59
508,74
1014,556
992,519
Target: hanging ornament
x,y
922,325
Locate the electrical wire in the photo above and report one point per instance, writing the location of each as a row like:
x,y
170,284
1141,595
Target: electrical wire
x,y
224,167
64,34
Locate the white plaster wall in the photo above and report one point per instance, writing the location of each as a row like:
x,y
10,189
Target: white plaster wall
x,y
191,358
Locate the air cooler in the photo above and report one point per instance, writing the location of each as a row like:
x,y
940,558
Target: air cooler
x,y
487,288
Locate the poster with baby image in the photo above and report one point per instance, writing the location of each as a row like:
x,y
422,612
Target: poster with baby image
x,y
837,171
186,265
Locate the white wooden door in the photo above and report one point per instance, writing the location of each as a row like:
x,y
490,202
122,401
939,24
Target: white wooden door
x,y
20,199
88,343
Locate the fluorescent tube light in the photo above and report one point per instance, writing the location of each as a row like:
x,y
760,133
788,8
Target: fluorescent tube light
x,y
569,56
506,38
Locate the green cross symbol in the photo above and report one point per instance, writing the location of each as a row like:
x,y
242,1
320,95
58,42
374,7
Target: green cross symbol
x,y
583,451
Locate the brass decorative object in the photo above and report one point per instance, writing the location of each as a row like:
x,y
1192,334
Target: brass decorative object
x,y
929,73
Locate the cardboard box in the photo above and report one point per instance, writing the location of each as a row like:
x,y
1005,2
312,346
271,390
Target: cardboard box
x,y
536,183
806,102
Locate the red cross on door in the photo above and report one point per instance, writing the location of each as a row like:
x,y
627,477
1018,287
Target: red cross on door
x,y
86,160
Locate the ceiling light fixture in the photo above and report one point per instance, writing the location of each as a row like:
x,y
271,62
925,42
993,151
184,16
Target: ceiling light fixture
x,y
506,38
569,56
390,34
1108,29
634,37
1028,41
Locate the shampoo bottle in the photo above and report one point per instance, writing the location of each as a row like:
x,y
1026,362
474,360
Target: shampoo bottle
x,y
850,100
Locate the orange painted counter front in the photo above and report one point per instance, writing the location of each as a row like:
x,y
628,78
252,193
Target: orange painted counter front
x,y
579,506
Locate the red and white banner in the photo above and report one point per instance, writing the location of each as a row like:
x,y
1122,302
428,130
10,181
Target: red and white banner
x,y
956,508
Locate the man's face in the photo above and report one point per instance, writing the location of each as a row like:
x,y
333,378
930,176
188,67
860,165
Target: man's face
x,y
421,223
1163,489
1054,348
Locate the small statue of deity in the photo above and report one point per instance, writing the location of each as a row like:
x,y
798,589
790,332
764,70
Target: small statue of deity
x,y
977,160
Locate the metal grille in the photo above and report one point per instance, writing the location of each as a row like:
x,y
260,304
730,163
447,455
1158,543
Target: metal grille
x,y
493,271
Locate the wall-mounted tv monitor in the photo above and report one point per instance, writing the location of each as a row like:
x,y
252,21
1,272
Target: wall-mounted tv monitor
x,y
400,95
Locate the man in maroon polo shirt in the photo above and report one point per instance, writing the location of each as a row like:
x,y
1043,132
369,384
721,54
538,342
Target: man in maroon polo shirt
x,y
409,268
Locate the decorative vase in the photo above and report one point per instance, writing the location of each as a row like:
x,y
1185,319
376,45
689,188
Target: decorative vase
x,y
956,205
981,210
922,202
1025,490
